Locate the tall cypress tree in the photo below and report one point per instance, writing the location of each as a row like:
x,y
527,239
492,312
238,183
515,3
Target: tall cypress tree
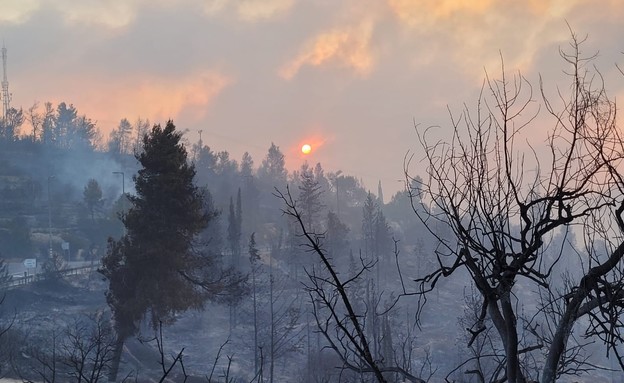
x,y
239,215
153,270
368,224
235,219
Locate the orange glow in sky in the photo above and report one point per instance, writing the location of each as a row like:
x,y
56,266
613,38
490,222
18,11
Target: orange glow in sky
x,y
344,81
311,147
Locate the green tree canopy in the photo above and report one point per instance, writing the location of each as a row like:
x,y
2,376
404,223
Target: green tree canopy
x,y
154,270
92,196
272,171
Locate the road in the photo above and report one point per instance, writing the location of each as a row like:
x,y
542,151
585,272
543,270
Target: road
x,y
22,275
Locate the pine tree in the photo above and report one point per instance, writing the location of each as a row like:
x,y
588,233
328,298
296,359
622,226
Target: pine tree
x,y
235,221
239,215
48,125
10,124
92,197
141,128
152,270
273,171
119,141
65,120
272,174
336,240
310,192
250,194
375,229
232,236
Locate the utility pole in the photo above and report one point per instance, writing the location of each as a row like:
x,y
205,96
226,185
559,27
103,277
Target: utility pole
x,y
49,219
6,96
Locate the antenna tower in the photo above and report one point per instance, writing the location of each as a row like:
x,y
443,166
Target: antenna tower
x,y
6,96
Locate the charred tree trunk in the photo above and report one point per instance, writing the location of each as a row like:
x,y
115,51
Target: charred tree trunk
x,y
114,369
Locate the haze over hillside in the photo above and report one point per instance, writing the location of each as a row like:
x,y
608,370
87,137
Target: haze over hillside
x,y
295,191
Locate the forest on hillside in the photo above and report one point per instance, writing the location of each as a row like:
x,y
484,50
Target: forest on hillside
x,y
63,187
56,157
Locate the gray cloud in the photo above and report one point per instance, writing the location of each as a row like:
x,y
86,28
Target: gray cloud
x,y
247,73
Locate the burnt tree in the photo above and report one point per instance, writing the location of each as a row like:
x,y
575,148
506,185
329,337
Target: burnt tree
x,y
504,206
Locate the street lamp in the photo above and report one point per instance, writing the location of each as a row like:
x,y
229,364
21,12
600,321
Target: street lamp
x,y
49,219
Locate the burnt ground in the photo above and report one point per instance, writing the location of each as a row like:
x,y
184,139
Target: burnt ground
x,y
41,313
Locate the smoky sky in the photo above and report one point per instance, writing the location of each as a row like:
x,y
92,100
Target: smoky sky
x,y
353,78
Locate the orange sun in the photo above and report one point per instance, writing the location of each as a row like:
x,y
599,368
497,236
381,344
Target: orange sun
x,y
306,149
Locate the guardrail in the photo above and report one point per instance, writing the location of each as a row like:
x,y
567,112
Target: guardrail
x,y
18,281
